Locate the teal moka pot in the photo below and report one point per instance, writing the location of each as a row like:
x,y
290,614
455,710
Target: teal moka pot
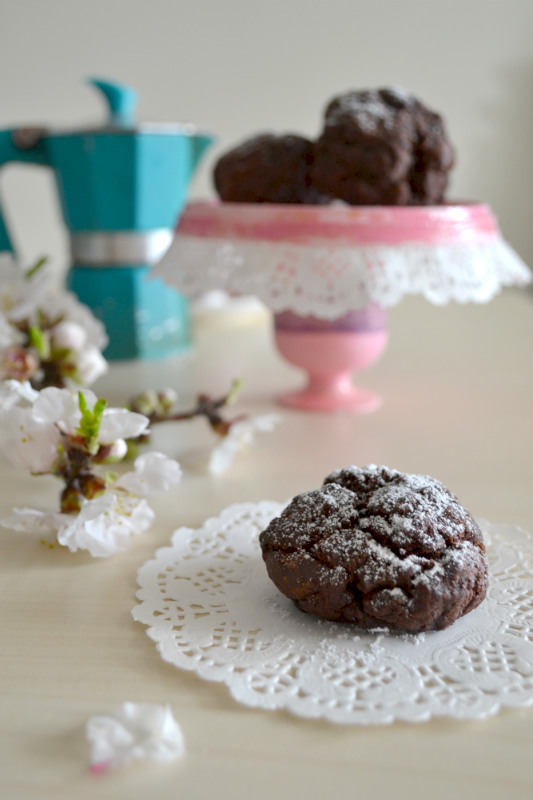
x,y
121,189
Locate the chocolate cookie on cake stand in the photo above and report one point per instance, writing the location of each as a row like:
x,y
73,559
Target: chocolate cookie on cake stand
x,y
330,272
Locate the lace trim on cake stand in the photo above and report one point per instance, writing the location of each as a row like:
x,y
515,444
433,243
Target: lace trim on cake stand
x,y
329,280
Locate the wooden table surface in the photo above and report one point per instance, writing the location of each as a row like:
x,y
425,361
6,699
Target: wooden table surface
x,y
458,388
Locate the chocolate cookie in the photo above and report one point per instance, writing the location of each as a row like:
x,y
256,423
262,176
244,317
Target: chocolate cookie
x,y
382,147
267,169
378,548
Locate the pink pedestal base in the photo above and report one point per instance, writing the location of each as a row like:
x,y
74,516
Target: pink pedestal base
x,y
329,358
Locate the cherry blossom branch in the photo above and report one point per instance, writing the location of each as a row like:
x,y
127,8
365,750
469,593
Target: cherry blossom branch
x,y
158,407
232,434
70,435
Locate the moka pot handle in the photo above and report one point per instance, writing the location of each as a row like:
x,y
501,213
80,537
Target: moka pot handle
x,y
19,144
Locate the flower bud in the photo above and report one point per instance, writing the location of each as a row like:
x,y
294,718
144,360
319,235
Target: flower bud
x,y
17,364
117,451
69,335
166,399
90,365
145,403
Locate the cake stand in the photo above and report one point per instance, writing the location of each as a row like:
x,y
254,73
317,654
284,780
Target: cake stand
x,y
329,273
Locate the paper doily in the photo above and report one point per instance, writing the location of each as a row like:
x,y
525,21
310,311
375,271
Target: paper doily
x,y
212,609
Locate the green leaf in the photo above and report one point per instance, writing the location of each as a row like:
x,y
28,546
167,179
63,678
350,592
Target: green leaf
x,y
236,387
37,339
99,409
82,403
61,353
90,422
36,267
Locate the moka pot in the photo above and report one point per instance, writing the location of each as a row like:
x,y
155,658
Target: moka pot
x,y
121,189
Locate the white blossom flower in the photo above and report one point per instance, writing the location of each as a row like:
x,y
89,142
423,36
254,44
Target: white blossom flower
x,y
240,435
27,442
85,354
9,334
67,306
58,431
33,521
105,524
15,360
61,407
20,297
134,731
153,472
13,393
119,423
18,363
76,339
31,423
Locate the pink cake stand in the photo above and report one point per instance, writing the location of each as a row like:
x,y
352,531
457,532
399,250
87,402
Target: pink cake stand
x,y
328,273
330,351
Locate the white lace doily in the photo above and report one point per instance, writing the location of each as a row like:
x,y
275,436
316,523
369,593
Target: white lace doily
x,y
212,609
329,280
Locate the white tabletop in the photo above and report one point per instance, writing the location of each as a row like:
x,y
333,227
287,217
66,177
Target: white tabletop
x,y
457,383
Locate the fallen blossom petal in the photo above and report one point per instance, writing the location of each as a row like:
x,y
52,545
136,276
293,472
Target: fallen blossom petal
x,y
104,525
134,731
222,455
118,423
265,423
240,435
153,472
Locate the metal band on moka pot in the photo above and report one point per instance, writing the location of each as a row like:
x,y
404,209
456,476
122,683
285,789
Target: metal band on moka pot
x,y
117,248
121,187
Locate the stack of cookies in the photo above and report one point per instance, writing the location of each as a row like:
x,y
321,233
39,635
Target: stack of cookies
x,y
376,147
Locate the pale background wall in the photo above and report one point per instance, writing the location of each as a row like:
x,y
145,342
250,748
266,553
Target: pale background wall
x,y
241,66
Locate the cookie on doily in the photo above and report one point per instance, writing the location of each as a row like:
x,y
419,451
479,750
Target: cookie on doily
x,y
380,549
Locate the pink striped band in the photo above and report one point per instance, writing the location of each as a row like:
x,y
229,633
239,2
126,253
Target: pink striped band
x,y
355,225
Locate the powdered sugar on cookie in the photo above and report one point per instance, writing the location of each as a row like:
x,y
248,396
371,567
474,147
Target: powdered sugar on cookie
x,y
375,546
